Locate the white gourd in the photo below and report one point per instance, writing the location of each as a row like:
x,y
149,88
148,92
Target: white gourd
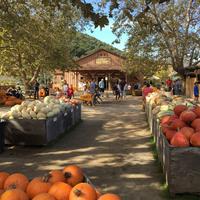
x,y
33,114
41,115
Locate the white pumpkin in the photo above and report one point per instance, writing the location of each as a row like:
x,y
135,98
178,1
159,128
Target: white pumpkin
x,y
25,115
33,114
41,116
50,114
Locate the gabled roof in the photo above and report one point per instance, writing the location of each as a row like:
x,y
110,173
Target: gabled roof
x,y
116,54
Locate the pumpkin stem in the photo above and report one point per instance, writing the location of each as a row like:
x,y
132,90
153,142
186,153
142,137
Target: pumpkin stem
x,y
12,186
77,192
68,175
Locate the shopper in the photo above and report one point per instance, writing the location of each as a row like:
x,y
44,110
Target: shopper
x,y
36,90
70,92
101,86
196,92
65,87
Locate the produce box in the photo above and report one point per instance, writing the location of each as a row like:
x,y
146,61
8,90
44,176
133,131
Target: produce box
x,y
181,167
67,120
33,132
76,114
2,127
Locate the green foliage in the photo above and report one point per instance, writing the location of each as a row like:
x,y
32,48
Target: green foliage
x,y
84,44
35,38
166,31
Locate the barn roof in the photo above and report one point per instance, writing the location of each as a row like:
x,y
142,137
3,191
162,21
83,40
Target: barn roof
x,y
115,64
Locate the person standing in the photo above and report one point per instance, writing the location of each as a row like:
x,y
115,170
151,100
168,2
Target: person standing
x,y
196,92
36,90
125,89
65,88
169,84
70,92
92,90
101,86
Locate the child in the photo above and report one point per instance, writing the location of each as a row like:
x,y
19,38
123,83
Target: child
x,y
196,92
70,92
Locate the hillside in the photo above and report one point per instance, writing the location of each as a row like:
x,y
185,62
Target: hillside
x,y
85,44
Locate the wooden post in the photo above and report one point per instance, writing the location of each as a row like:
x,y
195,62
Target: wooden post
x,y
109,82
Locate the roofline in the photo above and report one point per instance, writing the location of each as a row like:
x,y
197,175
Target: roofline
x,y
116,54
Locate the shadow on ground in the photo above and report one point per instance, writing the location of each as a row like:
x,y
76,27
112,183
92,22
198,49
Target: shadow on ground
x,y
111,144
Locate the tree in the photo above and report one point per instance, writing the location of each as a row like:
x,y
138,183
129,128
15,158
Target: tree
x,y
166,30
34,37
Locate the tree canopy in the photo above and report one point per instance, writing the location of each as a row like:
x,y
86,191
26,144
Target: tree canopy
x,y
164,31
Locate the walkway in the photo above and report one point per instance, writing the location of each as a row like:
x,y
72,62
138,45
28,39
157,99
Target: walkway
x,y
112,145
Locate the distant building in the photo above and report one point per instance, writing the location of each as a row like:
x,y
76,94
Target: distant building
x,y
101,64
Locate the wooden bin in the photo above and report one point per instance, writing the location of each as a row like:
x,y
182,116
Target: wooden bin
x,y
76,114
181,167
34,132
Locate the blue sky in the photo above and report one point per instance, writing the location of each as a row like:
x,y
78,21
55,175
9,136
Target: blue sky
x,y
107,36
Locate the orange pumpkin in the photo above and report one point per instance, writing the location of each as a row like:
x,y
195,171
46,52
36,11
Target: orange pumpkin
x,y
109,196
179,109
188,116
14,194
195,139
169,134
37,186
73,174
11,98
197,111
60,191
187,131
179,140
1,192
16,180
9,103
42,92
165,119
56,176
196,123
177,124
44,196
3,177
83,191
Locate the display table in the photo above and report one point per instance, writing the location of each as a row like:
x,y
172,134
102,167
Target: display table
x,y
181,166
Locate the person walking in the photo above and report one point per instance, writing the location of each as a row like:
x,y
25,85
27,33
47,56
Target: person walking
x,y
116,90
36,90
196,92
101,86
92,90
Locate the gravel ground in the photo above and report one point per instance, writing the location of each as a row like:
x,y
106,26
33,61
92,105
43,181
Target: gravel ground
x,y
111,144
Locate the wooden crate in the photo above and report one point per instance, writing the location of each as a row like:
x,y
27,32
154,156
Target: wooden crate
x,y
181,167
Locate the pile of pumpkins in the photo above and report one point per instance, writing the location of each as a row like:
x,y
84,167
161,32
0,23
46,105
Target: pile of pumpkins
x,y
182,128
8,100
72,102
66,184
38,110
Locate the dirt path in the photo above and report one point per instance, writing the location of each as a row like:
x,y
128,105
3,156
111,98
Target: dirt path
x,y
112,144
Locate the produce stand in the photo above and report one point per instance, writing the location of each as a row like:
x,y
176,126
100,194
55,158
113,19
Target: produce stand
x,y
41,132
181,165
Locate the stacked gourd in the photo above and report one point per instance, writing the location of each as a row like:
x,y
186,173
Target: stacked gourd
x,y
8,100
66,184
182,129
37,110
